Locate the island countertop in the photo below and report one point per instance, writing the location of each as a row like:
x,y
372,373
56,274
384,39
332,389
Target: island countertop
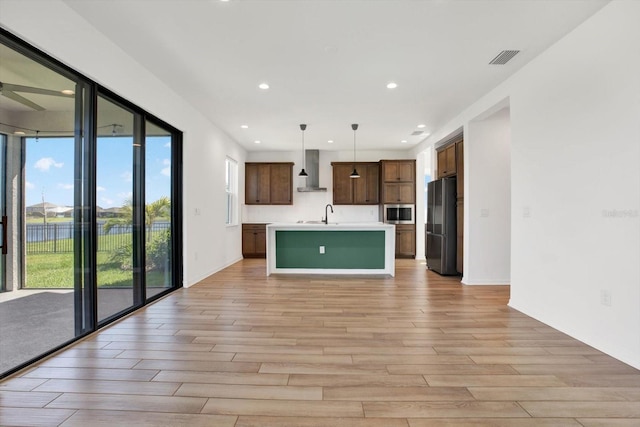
x,y
333,248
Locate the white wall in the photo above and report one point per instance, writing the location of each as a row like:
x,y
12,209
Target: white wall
x,y
56,29
576,157
575,181
310,206
488,200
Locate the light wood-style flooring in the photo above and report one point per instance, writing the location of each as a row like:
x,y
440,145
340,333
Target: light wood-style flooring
x,y
240,349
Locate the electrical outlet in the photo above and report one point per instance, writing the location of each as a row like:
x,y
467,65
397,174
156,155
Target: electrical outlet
x,y
526,212
195,255
321,249
605,297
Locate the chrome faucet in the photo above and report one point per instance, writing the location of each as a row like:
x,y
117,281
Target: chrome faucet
x,y
326,214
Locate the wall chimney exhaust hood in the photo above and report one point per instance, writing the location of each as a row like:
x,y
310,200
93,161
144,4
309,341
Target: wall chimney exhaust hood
x,y
312,166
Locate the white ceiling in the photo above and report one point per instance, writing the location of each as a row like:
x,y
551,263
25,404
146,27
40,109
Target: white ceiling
x,y
328,61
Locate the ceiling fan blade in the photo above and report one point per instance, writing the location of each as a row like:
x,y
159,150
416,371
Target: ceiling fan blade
x,y
22,100
36,90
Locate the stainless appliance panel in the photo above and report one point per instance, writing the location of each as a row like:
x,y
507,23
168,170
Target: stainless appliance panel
x,y
399,214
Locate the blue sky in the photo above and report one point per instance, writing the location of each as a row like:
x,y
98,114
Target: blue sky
x,y
50,170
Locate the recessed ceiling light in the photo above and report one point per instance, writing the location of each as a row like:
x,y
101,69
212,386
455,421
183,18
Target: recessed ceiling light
x,y
404,141
68,92
263,86
422,126
19,132
244,126
330,141
256,141
392,85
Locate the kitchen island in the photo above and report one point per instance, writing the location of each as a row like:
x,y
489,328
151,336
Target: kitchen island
x,y
318,248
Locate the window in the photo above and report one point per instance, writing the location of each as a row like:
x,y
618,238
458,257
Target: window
x,y
231,188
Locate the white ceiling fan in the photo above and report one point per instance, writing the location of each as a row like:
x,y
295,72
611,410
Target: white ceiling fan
x,y
9,90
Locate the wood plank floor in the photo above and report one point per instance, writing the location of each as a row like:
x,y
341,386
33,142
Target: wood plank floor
x,y
240,349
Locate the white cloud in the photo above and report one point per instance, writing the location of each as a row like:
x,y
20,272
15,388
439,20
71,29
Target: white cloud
x,y
168,145
166,162
166,171
65,186
100,188
45,163
29,185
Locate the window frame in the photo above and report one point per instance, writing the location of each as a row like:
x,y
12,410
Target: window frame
x,y
231,191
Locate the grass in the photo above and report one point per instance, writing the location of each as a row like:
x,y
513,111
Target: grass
x,y
55,270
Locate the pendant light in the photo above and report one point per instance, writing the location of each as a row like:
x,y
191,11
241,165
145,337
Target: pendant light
x,y
303,173
355,173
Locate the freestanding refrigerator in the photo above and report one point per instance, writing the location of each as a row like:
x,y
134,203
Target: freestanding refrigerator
x,y
441,226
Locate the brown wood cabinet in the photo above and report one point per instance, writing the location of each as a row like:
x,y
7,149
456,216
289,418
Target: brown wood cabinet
x,y
405,241
268,183
254,240
447,164
399,170
398,181
399,192
356,191
460,206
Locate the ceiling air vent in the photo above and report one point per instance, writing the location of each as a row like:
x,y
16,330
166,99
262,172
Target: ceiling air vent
x,y
417,132
504,57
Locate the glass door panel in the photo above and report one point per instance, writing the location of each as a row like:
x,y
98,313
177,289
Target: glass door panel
x,y
115,209
38,110
158,209
3,213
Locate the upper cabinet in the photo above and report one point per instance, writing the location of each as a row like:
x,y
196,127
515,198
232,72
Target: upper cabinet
x,y
447,164
356,191
399,170
399,181
268,183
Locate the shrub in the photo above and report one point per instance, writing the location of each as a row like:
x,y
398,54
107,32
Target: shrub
x,y
158,251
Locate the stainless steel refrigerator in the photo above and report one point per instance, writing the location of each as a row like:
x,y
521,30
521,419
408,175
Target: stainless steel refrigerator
x,y
441,236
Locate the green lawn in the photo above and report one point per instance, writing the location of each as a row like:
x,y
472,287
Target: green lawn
x,y
55,270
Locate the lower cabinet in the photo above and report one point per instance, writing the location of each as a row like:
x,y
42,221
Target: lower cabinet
x,y
405,241
254,240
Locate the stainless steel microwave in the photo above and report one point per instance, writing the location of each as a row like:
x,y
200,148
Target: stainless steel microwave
x,y
399,214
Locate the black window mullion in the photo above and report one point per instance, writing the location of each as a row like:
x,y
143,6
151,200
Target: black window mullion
x,y
139,214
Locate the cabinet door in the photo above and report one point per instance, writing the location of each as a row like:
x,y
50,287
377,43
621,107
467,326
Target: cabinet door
x,y
257,184
390,171
442,164
451,159
447,161
406,171
366,188
402,192
342,184
248,243
405,241
459,236
460,170
281,184
260,243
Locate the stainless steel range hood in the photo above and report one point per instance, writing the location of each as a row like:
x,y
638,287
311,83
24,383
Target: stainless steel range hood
x,y
312,166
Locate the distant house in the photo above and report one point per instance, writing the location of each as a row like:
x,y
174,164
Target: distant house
x,y
110,212
51,209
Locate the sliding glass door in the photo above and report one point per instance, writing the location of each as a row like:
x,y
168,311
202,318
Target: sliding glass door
x,y
88,189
